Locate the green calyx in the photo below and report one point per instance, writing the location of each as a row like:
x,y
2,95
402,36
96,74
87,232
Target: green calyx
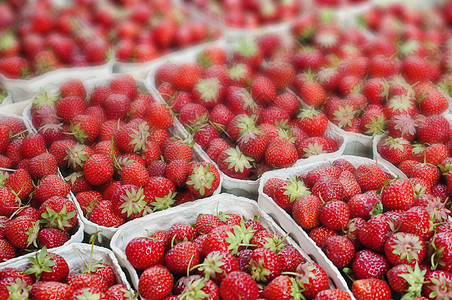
x,y
134,202
41,262
162,203
19,290
193,290
241,236
201,179
237,160
58,220
139,137
76,156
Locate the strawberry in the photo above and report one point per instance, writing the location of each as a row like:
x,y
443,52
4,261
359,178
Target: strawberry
x,y
394,150
370,177
180,232
46,289
159,116
203,179
281,74
233,163
402,126
435,153
334,215
434,130
312,121
375,232
328,188
238,284
312,278
211,56
144,252
98,169
437,282
365,205
58,212
22,232
264,264
50,186
80,280
182,256
287,101
204,134
48,266
42,165
340,250
312,93
288,191
397,194
405,248
407,279
102,214
306,211
135,173
33,145
441,244
217,265
177,171
119,292
373,121
129,202
280,153
116,106
124,84
69,107
332,294
156,281
416,220
196,287
282,287
371,289
160,193
263,90
14,67
7,250
206,222
9,203
186,76
368,264
52,237
399,105
431,100
73,87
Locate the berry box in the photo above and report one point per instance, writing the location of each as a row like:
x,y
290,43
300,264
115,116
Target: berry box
x,y
188,214
68,172
29,183
248,184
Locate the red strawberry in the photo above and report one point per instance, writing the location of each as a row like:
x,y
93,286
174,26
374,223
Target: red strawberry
x,y
69,107
332,295
186,76
211,56
368,264
42,165
124,84
50,186
116,106
280,153
129,201
434,130
182,256
46,289
437,281
14,67
33,145
328,188
102,214
394,150
375,232
119,292
48,266
238,284
312,93
7,250
405,248
371,289
22,232
306,211
406,279
52,237
80,280
334,215
397,194
416,220
281,74
282,287
155,281
312,121
340,250
58,212
98,169
203,179
313,278
370,177
442,244
431,100
144,252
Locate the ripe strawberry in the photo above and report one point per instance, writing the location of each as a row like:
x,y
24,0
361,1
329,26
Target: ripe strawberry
x,y
182,256
437,281
434,130
14,67
203,179
52,237
416,220
332,294
144,252
281,74
124,84
397,194
8,202
400,105
328,188
80,281
58,212
313,278
312,93
180,232
368,264
441,244
340,250
69,107
186,76
370,177
280,153
211,56
287,101
282,287
48,266
306,211
50,186
334,215
238,284
394,150
102,214
431,100
46,289
407,279
264,265
129,202
371,289
263,90
98,169
7,250
119,292
33,145
22,232
375,232
116,106
312,121
217,265
42,165
405,248
155,281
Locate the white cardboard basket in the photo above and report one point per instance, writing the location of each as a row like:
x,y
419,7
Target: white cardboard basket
x,y
233,185
188,213
76,255
106,233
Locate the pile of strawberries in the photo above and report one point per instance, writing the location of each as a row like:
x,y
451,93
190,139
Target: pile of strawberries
x,y
48,276
224,257
361,82
145,29
34,210
239,109
116,151
38,37
390,235
250,13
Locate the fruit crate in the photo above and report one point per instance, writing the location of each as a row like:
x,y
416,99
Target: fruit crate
x,y
77,257
247,188
188,213
105,233
286,221
77,232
